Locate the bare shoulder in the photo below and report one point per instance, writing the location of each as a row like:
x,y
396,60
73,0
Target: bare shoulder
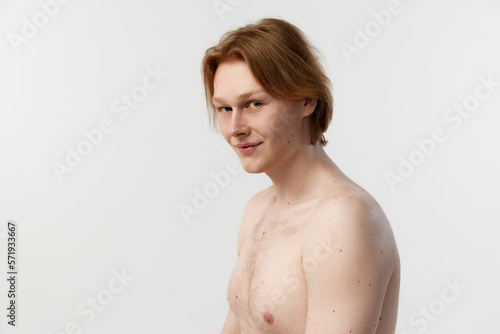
x,y
351,264
252,214
351,218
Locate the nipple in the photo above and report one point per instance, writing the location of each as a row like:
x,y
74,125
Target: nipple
x,y
268,317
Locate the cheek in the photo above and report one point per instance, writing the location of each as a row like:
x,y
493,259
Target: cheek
x,y
278,127
223,128
285,129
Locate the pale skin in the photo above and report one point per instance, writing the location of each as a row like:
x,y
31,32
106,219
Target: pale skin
x,y
316,253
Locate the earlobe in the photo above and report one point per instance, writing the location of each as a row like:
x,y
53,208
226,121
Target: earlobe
x,y
310,106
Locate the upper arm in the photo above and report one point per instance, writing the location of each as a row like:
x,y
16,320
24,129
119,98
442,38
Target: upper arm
x,y
347,267
231,325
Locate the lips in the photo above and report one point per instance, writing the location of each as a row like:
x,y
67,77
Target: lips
x,y
247,148
245,145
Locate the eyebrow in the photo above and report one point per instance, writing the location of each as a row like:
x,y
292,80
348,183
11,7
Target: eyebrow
x,y
241,96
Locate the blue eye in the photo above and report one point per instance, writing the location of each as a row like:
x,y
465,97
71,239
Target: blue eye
x,y
256,104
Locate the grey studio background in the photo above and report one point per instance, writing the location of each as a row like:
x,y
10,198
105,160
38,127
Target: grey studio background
x,y
105,146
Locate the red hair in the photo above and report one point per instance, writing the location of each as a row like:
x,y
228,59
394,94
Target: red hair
x,y
284,63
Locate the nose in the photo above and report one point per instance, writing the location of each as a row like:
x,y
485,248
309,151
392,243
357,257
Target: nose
x,y
239,126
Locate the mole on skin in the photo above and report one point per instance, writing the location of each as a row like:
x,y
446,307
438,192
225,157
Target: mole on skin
x,y
268,317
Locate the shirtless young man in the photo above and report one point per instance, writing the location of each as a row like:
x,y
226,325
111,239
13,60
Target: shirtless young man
x,y
316,253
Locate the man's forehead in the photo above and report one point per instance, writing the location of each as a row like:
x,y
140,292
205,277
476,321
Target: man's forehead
x,y
234,70
234,80
241,96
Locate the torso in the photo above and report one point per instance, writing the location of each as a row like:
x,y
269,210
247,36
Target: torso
x,y
267,291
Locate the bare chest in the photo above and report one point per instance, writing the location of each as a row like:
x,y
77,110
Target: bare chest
x,y
267,290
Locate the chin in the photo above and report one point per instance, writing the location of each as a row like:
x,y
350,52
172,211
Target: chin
x,y
254,171
251,167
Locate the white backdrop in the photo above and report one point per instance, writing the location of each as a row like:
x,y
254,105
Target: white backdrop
x,y
108,165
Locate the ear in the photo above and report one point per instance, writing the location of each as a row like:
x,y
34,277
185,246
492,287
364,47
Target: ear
x,y
309,106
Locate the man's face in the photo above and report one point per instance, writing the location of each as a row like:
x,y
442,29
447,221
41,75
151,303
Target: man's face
x,y
264,131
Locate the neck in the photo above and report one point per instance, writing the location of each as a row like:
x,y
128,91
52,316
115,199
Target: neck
x,y
305,174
